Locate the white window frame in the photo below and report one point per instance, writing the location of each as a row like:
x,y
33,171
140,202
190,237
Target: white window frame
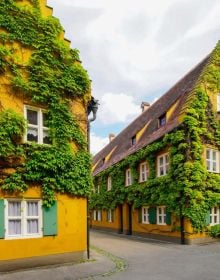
x,y
215,216
145,215
128,178
143,172
164,167
40,128
24,218
161,214
109,183
212,162
97,216
218,102
110,216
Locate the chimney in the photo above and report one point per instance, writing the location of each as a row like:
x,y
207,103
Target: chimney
x,y
111,136
145,106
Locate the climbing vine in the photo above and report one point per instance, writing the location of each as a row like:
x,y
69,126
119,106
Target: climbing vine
x,y
51,77
188,185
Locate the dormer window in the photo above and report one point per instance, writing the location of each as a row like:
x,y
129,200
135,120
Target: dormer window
x,y
103,161
133,140
162,120
37,129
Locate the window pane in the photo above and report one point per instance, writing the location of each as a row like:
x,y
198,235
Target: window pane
x,y
161,160
32,208
32,117
214,166
214,155
46,138
14,227
32,226
14,209
208,154
45,119
32,134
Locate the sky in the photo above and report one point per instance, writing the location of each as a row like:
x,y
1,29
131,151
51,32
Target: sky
x,y
135,51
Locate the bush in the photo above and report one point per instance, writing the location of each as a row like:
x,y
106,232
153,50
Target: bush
x,y
215,231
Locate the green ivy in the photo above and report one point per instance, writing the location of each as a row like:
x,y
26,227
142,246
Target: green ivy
x,y
53,76
188,185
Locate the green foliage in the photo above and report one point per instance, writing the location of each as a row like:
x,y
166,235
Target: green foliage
x,y
214,231
12,127
188,185
53,77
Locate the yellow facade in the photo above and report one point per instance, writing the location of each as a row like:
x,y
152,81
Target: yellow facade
x,y
71,210
71,235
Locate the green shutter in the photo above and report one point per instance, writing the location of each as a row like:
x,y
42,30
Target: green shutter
x,y
207,218
152,215
2,218
168,218
140,215
50,220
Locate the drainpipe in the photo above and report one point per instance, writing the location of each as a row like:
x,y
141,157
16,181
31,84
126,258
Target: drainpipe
x,y
182,229
92,107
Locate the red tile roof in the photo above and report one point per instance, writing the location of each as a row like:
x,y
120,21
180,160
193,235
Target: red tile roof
x,y
122,143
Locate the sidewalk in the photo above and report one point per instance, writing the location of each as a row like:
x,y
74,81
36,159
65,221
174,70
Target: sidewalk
x,y
100,263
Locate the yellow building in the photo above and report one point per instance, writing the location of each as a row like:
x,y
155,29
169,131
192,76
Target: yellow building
x,y
44,164
159,177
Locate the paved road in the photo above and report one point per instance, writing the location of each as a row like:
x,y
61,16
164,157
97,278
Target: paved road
x,y
138,260
161,261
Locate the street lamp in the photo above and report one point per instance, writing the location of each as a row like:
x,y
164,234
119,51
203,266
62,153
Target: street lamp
x,y
92,107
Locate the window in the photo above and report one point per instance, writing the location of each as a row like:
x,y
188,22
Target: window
x,y
212,160
145,215
215,215
218,102
161,215
128,180
144,172
23,218
110,215
97,215
162,120
109,183
162,165
37,130
133,140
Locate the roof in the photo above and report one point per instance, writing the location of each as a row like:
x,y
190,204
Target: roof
x,y
120,147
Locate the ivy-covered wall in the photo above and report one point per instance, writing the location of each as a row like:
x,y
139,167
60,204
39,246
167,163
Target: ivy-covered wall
x,y
188,185
38,67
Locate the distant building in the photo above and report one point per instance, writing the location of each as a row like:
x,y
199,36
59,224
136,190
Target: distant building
x,y
160,176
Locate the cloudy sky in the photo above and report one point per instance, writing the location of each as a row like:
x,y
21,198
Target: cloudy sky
x,y
135,51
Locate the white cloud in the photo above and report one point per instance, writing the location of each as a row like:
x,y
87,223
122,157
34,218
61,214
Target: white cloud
x,y
117,108
97,143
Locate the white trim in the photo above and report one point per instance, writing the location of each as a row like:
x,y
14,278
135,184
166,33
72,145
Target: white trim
x,y
212,162
218,102
161,215
23,218
109,183
128,178
162,164
39,127
215,216
145,215
143,172
97,215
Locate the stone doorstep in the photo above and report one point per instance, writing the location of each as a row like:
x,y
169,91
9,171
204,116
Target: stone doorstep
x,y
40,261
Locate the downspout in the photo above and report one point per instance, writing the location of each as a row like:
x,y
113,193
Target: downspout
x,y
182,229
